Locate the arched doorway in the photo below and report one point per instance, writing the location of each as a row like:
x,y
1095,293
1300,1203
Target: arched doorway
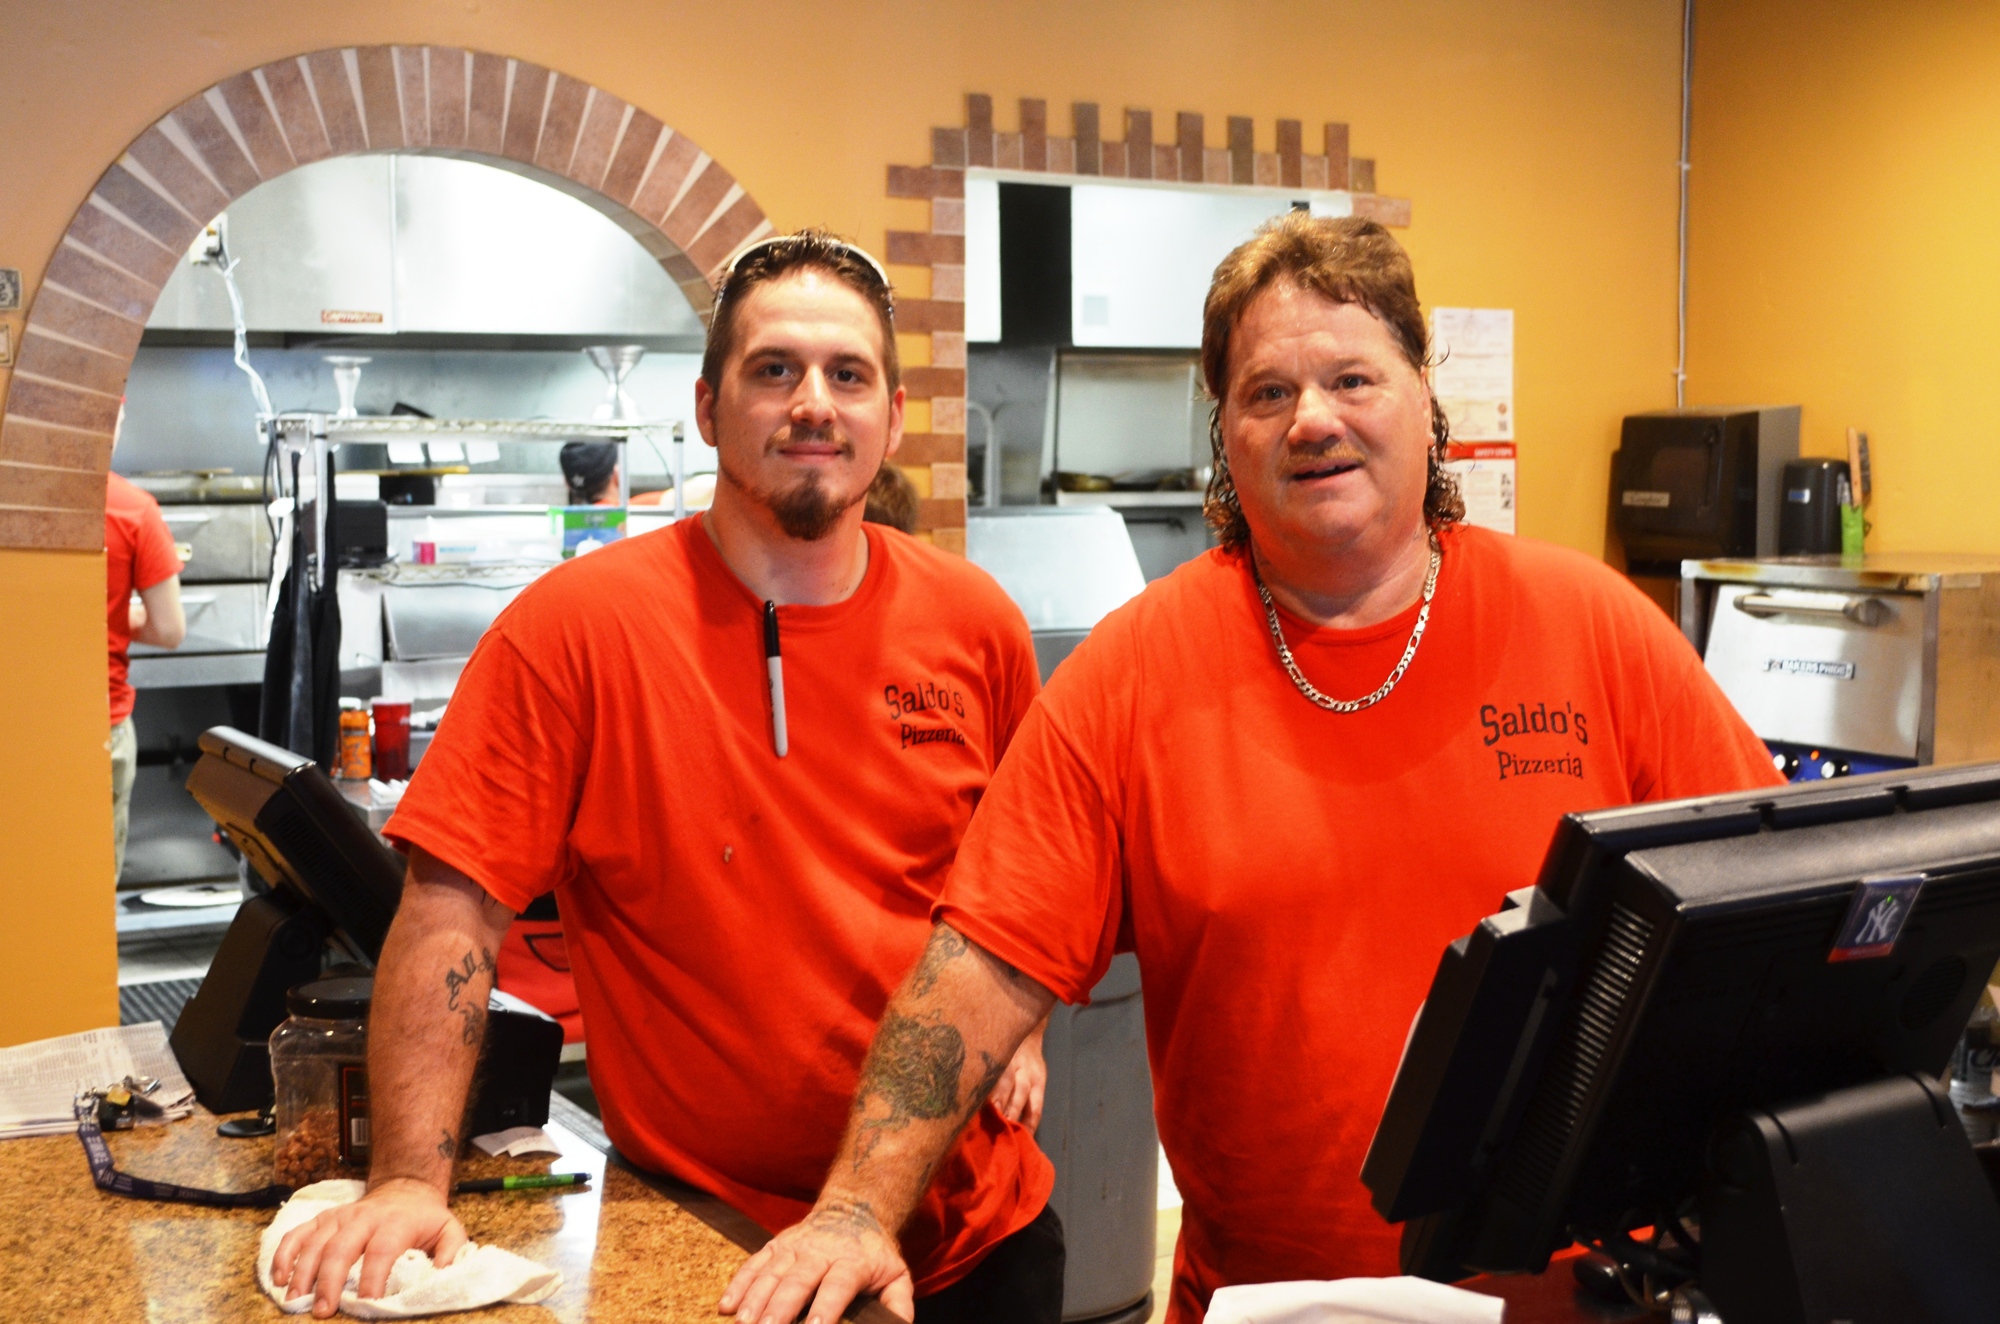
x,y
100,286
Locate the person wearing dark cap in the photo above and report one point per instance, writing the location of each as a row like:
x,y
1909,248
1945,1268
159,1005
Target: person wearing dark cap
x,y
590,471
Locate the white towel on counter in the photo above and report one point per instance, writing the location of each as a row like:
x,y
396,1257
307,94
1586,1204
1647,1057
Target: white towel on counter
x,y
480,1276
1353,1301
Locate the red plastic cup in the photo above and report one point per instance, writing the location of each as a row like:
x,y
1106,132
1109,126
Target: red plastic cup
x,y
392,740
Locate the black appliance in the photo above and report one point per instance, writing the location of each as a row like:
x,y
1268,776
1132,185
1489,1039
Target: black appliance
x,y
1730,1009
409,489
361,533
330,877
1809,516
1700,483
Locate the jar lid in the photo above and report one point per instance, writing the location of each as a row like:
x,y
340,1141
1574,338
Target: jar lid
x,y
342,998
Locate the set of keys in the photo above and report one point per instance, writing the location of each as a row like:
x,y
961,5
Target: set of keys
x,y
120,1106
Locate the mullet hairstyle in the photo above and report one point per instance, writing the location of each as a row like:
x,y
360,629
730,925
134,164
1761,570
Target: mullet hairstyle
x,y
1347,260
771,260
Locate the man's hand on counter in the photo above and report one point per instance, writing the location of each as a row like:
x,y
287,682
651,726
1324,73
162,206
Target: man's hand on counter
x,y
425,1025
393,1217
954,1029
838,1253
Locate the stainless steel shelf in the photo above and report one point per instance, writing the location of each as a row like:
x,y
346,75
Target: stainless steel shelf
x,y
166,671
399,426
1121,500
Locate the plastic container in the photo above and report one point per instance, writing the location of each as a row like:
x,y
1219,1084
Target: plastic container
x,y
319,1073
392,740
356,759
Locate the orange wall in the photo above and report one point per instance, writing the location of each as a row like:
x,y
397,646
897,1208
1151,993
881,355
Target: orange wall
x,y
1844,195
55,797
1537,140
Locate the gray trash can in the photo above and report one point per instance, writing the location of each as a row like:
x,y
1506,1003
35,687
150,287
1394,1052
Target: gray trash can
x,y
1066,567
1097,1127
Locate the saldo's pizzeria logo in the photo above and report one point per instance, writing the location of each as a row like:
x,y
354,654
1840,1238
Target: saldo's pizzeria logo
x,y
1567,723
909,704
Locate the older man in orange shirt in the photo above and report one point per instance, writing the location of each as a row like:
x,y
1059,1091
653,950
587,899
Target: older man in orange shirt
x,y
1286,776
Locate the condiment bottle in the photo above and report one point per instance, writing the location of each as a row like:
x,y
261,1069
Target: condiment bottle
x,y
356,758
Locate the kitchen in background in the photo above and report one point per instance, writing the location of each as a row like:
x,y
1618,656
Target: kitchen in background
x,y
471,293
1083,322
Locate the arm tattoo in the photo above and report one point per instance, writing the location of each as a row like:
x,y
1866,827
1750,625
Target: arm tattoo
x,y
447,1148
946,945
912,1074
456,981
851,1217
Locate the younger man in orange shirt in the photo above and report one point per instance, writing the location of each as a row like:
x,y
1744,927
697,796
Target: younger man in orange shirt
x,y
737,903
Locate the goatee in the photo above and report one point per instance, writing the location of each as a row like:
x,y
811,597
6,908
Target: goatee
x,y
808,511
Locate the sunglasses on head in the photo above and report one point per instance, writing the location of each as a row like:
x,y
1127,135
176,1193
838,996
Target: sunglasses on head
x,y
840,246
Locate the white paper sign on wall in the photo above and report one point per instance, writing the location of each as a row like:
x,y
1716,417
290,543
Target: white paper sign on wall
x,y
1474,376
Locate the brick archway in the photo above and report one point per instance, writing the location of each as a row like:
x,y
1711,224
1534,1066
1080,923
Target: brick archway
x,y
100,285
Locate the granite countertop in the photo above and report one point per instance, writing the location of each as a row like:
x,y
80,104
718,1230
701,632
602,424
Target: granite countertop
x,y
630,1246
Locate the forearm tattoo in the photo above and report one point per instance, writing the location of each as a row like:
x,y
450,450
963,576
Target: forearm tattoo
x,y
447,1148
851,1217
913,1069
946,945
471,1009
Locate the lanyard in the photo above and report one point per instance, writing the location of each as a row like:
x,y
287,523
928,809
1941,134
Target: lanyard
x,y
108,1178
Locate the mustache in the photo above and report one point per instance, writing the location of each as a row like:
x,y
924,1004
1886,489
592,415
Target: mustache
x,y
794,435
1322,455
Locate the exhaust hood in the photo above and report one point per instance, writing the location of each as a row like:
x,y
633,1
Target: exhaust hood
x,y
394,243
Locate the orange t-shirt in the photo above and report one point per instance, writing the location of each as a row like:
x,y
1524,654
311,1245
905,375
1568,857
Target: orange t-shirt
x,y
1290,876
138,554
736,922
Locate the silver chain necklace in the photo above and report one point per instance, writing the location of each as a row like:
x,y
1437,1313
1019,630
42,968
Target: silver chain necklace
x,y
1305,686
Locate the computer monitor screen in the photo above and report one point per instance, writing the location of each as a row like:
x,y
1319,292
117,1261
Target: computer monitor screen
x,y
297,831
1675,965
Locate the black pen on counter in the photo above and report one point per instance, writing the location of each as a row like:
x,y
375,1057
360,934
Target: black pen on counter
x,y
529,1182
775,666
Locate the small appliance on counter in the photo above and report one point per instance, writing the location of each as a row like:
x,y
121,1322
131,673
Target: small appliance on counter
x,y
1809,515
1700,483
1854,665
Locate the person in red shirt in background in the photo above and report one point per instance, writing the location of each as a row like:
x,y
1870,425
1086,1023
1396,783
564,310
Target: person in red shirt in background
x,y
1287,776
142,581
745,867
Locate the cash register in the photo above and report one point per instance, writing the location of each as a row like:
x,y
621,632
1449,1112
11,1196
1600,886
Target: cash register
x,y
1706,1043
329,889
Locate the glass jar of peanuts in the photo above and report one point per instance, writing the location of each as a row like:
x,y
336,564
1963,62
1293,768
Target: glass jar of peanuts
x,y
319,1072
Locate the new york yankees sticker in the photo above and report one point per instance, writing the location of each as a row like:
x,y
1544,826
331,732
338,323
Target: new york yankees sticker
x,y
1876,916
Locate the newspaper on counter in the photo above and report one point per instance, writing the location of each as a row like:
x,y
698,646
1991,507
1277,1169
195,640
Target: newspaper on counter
x,y
39,1081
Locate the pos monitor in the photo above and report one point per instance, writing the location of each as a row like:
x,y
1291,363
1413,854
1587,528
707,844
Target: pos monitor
x,y
333,888
1706,1044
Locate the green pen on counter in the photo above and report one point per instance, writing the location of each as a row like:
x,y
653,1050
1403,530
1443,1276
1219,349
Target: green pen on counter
x,y
531,1182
